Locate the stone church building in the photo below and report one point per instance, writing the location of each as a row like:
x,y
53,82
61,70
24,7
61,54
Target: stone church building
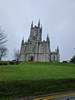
x,y
34,49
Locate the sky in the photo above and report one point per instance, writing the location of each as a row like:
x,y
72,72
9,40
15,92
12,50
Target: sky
x,y
56,16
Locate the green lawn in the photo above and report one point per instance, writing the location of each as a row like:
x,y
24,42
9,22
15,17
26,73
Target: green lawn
x,y
37,71
28,79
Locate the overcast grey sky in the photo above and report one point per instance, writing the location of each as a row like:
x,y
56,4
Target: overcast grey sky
x,y
57,18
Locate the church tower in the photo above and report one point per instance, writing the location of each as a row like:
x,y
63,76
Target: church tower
x,y
36,32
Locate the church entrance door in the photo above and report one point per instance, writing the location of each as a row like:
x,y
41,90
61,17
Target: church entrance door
x,y
31,58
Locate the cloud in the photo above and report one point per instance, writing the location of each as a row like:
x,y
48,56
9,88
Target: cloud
x,y
57,18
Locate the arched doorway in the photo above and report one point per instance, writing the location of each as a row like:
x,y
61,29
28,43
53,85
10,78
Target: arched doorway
x,y
32,58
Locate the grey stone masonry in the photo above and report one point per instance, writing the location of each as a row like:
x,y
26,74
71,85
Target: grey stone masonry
x,y
37,50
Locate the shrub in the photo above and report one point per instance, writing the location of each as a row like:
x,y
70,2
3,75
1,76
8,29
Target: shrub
x,y
4,62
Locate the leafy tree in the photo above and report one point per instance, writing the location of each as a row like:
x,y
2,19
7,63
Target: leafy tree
x,y
3,41
73,59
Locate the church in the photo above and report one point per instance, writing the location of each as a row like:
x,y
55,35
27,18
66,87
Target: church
x,y
37,50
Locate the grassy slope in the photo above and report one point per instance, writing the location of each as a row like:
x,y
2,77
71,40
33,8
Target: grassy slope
x,y
37,71
36,78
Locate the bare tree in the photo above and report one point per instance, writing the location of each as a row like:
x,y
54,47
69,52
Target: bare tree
x,y
3,41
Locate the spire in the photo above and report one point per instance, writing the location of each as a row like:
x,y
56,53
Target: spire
x,y
41,28
39,23
48,38
58,54
32,25
48,41
22,41
57,49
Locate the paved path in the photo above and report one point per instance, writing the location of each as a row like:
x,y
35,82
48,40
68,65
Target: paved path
x,y
63,96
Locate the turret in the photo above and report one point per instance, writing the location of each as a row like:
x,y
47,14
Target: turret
x,y
32,25
48,41
41,28
58,55
58,49
39,23
22,43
